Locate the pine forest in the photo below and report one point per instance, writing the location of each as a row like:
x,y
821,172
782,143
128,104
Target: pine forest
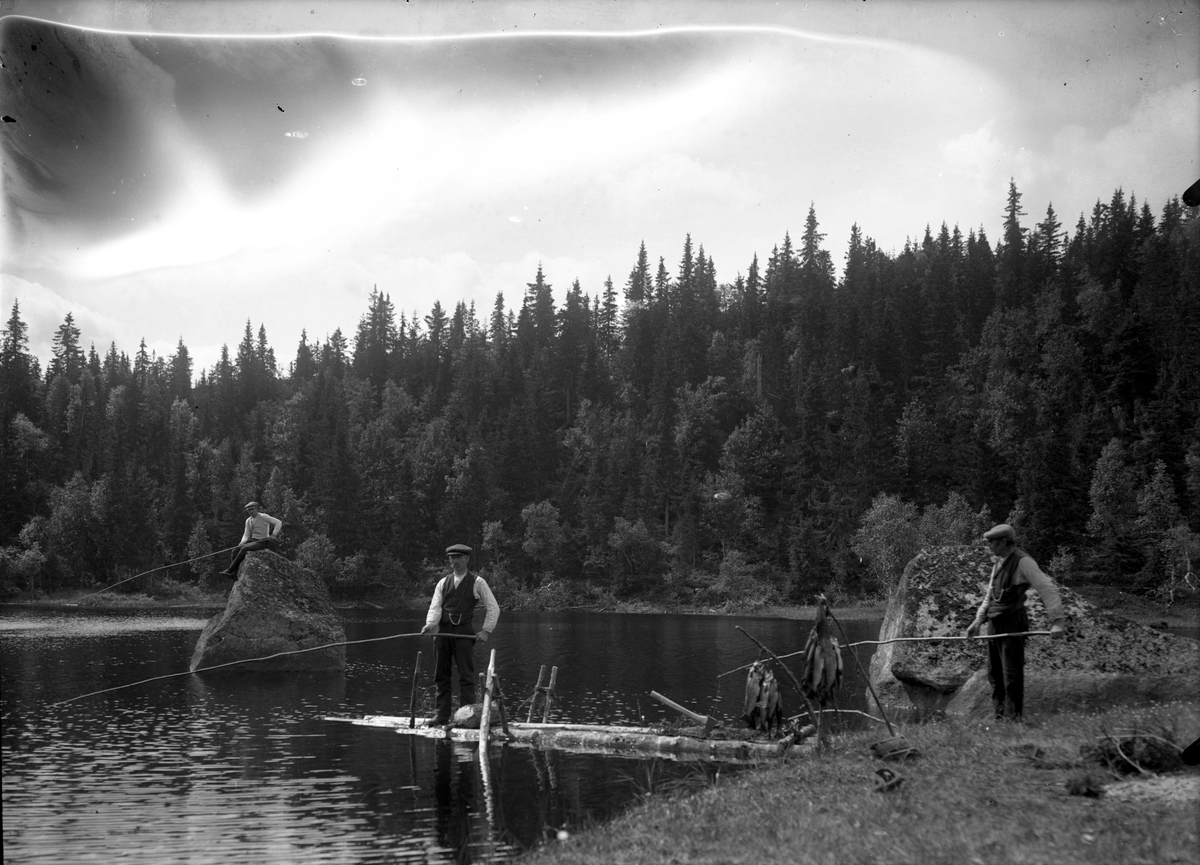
x,y
665,436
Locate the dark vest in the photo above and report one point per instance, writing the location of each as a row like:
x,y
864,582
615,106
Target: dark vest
x,y
458,605
1005,596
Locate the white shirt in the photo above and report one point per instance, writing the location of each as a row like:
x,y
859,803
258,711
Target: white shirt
x,y
259,527
481,591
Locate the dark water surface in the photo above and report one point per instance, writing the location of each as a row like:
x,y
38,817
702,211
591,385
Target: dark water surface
x,y
243,768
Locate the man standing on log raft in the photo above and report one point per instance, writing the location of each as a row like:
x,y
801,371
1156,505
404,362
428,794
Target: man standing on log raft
x,y
450,612
1003,609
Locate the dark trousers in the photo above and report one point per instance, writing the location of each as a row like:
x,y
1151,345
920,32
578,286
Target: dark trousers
x,y
1006,664
261,544
448,651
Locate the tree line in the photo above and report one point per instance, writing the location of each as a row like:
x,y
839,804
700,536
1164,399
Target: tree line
x,y
786,431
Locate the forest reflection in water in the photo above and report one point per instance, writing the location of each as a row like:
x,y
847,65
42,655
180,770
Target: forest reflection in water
x,y
244,768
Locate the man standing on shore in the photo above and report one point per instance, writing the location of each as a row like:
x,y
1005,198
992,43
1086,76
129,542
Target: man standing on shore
x,y
450,613
262,530
1003,608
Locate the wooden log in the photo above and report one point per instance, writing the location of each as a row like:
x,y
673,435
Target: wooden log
x,y
536,690
400,723
599,739
412,698
485,720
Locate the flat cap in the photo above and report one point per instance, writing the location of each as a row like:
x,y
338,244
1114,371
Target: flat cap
x,y
1004,530
458,549
253,505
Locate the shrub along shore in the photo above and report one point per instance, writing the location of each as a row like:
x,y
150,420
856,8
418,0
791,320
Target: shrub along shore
x,y
167,592
975,793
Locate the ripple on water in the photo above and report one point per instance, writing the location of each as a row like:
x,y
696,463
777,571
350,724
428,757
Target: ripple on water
x,y
243,769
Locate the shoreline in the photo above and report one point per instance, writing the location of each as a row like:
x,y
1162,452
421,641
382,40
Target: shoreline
x,y
1114,601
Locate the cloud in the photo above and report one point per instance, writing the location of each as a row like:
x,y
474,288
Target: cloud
x,y
1154,153
1151,152
669,178
414,283
44,310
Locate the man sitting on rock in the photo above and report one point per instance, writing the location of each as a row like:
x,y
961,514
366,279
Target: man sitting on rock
x,y
262,530
450,612
1003,608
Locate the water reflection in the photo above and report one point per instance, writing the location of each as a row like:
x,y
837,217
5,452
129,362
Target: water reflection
x,y
237,768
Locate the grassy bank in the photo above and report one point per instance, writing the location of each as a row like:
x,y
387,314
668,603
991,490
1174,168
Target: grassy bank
x,y
977,793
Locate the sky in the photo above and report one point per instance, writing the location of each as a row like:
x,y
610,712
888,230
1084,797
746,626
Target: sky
x,y
174,170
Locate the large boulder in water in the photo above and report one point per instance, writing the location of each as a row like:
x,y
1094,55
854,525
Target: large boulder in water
x,y
1103,659
276,606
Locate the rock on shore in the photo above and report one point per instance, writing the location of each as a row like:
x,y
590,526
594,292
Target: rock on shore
x,y
1102,660
275,606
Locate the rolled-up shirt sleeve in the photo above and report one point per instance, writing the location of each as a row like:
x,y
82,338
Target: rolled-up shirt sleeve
x,y
1051,599
435,606
981,613
483,592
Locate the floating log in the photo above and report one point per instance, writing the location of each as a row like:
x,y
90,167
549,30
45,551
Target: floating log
x,y
613,740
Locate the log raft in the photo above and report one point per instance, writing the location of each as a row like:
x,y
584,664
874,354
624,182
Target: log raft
x,y
613,740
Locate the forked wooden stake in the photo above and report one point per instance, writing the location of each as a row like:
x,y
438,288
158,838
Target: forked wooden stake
x,y
549,695
503,713
536,690
412,699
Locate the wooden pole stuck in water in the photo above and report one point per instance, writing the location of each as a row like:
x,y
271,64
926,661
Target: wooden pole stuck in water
x,y
503,713
549,695
485,719
536,690
412,698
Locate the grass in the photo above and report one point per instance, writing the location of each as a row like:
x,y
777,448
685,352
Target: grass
x,y
977,793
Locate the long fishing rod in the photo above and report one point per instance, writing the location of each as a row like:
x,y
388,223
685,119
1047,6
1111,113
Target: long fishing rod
x,y
947,639
904,640
151,571
263,658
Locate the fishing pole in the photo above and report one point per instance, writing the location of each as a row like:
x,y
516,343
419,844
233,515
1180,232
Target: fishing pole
x,y
947,639
904,640
151,571
252,660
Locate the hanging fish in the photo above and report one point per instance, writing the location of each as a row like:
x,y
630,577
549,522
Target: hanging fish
x,y
770,714
822,675
754,683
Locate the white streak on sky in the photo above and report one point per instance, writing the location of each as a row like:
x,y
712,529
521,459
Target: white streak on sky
x,y
435,38
413,158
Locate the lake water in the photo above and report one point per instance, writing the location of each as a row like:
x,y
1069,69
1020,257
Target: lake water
x,y
243,768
